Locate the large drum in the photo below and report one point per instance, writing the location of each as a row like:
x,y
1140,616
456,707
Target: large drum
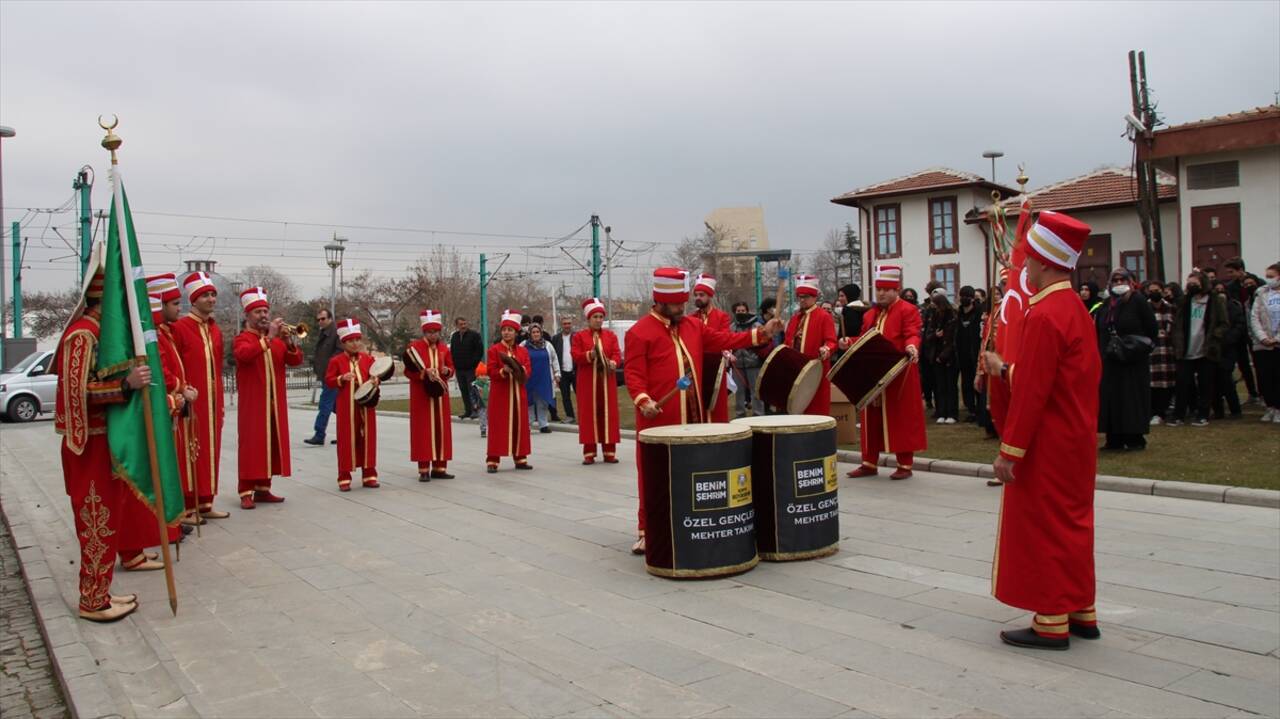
x,y
793,462
865,369
699,518
788,380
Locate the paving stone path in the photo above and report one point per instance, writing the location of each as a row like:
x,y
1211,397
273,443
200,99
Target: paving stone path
x,y
28,687
514,595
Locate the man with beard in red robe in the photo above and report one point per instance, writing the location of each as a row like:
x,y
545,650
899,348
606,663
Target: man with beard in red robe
x,y
596,358
430,421
705,310
262,419
508,399
198,340
812,332
663,347
1048,455
894,422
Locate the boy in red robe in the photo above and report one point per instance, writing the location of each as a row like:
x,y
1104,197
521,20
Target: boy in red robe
x,y
1048,457
894,422
80,417
508,400
262,351
596,357
430,421
812,331
704,303
357,425
664,346
198,340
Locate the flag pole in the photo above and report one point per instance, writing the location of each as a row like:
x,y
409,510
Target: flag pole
x,y
112,142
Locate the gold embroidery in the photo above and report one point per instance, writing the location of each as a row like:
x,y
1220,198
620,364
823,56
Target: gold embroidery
x,y
95,573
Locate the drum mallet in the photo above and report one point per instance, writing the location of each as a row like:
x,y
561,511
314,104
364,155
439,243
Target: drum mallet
x,y
683,383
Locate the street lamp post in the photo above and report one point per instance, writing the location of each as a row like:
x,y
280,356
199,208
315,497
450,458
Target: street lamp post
x,y
992,155
5,132
333,255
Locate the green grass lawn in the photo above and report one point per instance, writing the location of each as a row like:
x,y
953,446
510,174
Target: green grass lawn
x,y
1228,452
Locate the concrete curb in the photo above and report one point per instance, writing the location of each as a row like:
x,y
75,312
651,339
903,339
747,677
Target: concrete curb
x,y
1160,488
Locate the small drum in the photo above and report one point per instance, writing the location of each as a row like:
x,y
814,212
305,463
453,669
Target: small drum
x,y
368,394
383,367
699,518
713,366
793,462
866,368
434,389
517,369
788,380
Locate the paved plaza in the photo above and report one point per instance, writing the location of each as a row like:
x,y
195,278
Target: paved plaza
x,y
515,595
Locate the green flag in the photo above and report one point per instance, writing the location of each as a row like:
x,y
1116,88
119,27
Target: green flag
x,y
127,333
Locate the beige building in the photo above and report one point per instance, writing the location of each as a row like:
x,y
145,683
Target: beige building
x,y
739,229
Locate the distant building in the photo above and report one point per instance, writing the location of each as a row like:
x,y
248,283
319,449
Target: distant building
x,y
738,228
1228,176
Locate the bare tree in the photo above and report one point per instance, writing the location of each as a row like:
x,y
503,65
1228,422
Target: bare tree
x,y
281,290
45,313
826,263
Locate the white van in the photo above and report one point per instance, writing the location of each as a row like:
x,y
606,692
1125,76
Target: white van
x,y
28,389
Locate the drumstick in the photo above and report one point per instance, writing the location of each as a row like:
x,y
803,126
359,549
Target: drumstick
x,y
783,274
683,383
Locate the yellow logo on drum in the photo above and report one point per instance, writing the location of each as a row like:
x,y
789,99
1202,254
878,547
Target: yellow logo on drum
x,y
829,465
739,486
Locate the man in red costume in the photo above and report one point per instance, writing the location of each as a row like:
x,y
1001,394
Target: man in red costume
x,y
357,425
508,399
262,418
705,310
661,348
1048,457
430,421
894,422
97,497
812,332
198,340
596,357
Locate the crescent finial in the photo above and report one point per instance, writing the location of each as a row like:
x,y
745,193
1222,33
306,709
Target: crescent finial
x,y
114,121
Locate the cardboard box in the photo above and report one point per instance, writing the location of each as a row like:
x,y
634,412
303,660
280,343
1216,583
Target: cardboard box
x,y
846,419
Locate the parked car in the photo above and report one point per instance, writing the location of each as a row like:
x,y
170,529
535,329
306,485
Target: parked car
x,y
29,389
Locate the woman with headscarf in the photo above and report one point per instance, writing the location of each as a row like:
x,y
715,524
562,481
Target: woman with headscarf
x,y
1125,391
1089,293
543,378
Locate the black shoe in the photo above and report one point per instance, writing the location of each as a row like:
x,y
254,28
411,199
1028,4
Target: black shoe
x,y
187,529
424,477
493,470
545,430
317,440
1085,631
333,441
1029,639
441,475
524,466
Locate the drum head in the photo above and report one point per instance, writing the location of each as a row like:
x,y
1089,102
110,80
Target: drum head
x,y
412,360
787,423
383,368
367,393
805,387
707,433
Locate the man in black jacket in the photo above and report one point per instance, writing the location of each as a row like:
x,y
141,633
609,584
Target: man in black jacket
x,y
326,346
968,347
562,343
467,349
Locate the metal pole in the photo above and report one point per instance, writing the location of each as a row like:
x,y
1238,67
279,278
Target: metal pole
x,y
608,252
759,288
484,302
17,281
4,307
333,293
82,184
595,255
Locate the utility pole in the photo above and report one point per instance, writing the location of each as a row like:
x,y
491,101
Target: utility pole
x,y
1145,170
609,253
17,282
342,279
595,255
759,289
84,186
484,302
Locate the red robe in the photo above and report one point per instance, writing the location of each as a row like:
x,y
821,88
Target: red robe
x,y
1044,548
717,319
657,355
263,411
508,406
597,389
816,329
430,419
357,426
1009,327
199,345
97,497
895,421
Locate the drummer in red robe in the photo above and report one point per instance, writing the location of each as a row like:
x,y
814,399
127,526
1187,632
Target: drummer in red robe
x,y
430,421
357,425
661,348
199,342
596,358
262,351
812,331
705,310
1048,458
80,417
894,422
508,399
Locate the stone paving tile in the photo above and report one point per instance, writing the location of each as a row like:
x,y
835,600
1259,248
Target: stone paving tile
x,y
514,595
28,686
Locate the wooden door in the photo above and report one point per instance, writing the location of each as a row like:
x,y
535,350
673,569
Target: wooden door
x,y
1094,264
1215,235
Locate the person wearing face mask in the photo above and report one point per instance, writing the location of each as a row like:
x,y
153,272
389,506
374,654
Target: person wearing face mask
x,y
1124,396
748,361
968,346
1264,329
1224,383
1161,360
1199,325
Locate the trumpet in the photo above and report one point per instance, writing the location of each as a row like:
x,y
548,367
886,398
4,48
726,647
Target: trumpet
x,y
300,330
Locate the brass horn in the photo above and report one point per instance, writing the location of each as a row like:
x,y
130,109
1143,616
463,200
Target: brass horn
x,y
300,330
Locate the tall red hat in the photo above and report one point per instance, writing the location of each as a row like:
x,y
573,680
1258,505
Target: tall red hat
x,y
670,285
705,283
806,285
348,329
197,284
161,288
510,318
253,298
431,320
888,277
1057,239
592,305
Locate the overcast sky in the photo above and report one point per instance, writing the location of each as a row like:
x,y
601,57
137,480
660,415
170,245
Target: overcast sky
x,y
525,118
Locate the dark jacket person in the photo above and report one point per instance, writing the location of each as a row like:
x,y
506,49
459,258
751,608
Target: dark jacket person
x,y
1125,391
